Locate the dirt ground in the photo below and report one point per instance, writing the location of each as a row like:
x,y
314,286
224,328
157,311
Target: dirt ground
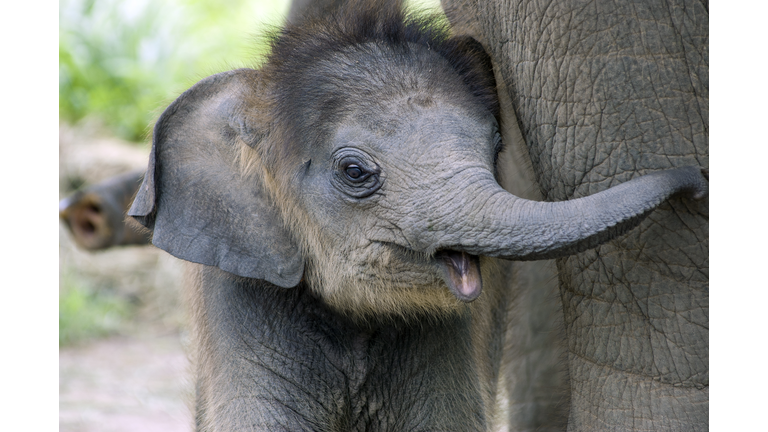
x,y
124,384
137,378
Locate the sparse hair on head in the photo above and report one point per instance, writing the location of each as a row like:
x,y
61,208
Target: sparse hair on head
x,y
316,66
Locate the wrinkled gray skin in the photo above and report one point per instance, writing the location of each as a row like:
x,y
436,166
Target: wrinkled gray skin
x,y
95,216
319,356
602,91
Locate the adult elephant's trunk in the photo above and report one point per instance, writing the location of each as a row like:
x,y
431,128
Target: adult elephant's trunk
x,y
513,228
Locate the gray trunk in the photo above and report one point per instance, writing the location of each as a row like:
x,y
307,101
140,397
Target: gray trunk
x,y
517,229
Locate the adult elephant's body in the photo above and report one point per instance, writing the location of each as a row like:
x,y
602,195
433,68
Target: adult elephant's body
x,y
603,92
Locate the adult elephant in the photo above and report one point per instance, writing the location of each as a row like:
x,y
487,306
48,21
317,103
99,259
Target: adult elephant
x,y
603,92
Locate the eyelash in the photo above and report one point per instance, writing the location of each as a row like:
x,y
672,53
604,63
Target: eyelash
x,y
350,162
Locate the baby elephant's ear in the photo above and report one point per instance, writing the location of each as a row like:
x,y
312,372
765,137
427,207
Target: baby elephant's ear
x,y
195,198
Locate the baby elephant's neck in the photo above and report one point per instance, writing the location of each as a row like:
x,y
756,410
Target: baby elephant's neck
x,y
316,369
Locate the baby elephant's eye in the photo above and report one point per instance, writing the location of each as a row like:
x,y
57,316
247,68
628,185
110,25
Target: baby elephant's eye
x,y
354,172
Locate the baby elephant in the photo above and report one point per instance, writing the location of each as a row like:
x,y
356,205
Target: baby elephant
x,y
343,203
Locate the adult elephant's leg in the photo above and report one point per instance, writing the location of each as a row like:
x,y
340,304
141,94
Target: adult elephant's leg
x,y
606,91
534,370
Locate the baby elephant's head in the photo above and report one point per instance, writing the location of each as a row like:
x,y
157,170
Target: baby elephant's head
x,y
362,158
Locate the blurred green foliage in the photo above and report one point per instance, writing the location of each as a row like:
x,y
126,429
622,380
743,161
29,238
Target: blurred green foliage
x,y
123,61
85,313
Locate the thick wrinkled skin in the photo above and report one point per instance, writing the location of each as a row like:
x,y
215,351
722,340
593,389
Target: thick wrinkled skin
x,y
325,372
603,92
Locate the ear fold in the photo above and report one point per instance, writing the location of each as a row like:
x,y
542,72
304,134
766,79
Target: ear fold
x,y
200,207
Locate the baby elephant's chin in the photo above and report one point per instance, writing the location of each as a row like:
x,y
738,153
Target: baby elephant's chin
x,y
461,272
408,291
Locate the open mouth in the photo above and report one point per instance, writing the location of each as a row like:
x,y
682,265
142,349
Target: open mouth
x,y
461,272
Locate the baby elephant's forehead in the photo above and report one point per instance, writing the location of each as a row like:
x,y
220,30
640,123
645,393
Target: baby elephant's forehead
x,y
410,126
374,72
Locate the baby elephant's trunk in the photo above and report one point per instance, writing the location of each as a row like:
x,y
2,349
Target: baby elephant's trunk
x,y
516,229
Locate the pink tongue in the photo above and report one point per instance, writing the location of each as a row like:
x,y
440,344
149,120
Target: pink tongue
x,y
461,272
